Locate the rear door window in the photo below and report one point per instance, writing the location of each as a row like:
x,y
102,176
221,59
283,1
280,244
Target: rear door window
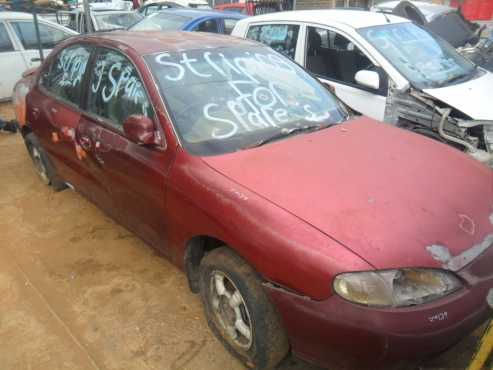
x,y
116,90
65,75
280,37
50,36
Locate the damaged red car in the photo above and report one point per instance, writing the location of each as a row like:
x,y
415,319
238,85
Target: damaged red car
x,y
303,228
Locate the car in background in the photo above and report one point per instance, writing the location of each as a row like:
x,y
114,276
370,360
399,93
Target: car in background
x,y
388,68
300,225
189,20
194,4
101,20
153,7
19,47
448,23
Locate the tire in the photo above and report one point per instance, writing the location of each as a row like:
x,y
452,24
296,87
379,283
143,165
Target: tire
x,y
268,343
42,164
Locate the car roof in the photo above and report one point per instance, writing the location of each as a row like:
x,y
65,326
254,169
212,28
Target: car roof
x,y
149,42
200,13
351,18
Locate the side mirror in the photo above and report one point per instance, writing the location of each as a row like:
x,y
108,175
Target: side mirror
x,y
369,79
139,129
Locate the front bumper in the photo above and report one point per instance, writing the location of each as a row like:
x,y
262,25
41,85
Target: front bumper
x,y
338,334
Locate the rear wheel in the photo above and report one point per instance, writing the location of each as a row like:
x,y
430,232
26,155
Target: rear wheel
x,y
42,164
239,312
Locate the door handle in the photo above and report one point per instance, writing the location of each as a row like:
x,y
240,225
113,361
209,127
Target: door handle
x,y
35,112
85,143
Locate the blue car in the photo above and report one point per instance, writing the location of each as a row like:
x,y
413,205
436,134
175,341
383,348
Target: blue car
x,y
186,19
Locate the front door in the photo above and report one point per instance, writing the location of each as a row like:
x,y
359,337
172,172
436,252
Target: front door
x,y
134,174
335,60
49,35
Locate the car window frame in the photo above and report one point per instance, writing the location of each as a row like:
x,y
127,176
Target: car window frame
x,y
46,24
76,107
15,46
223,21
107,123
383,91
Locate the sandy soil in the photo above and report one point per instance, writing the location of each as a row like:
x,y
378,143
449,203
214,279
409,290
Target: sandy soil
x,y
77,291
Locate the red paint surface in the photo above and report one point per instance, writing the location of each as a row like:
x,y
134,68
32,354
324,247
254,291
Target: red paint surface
x,y
353,197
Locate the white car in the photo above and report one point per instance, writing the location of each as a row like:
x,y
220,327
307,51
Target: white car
x,y
19,46
389,69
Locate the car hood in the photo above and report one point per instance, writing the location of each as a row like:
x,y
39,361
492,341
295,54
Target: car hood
x,y
472,97
392,197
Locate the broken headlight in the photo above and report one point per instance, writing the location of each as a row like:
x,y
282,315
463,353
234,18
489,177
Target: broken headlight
x,y
395,288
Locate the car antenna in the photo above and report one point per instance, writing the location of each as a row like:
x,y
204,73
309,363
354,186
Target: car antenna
x,y
386,17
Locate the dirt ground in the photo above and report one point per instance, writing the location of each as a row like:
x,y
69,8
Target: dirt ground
x,y
79,292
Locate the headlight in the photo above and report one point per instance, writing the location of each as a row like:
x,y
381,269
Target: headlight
x,y
395,288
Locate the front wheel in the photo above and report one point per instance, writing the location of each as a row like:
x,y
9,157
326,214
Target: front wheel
x,y
239,312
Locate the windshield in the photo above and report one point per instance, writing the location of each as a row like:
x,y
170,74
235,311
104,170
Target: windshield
x,y
116,21
223,100
161,22
424,59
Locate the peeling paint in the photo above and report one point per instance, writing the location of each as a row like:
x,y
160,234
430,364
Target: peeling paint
x,y
455,263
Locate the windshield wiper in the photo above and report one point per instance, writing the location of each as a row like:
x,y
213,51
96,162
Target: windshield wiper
x,y
461,76
285,132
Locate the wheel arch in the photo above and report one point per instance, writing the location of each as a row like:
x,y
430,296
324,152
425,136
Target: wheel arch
x,y
196,248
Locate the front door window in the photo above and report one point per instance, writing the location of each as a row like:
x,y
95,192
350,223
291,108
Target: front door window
x,y
50,36
333,56
116,90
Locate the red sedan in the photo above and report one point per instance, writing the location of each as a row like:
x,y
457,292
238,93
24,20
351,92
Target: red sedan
x,y
301,226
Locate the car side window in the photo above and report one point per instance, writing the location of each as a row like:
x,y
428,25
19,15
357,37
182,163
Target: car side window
x,y
280,37
210,25
5,42
333,56
152,9
50,36
116,90
229,24
65,75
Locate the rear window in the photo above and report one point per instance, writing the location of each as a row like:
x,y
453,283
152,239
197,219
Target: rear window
x,y
161,22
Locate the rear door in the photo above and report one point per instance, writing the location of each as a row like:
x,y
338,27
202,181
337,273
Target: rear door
x,y
335,59
11,60
54,111
133,174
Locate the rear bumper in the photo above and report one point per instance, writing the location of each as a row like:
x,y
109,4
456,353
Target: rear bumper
x,y
338,334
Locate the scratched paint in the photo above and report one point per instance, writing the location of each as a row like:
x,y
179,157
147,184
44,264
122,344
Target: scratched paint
x,y
442,254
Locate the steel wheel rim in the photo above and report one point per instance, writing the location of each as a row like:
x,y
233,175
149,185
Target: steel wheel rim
x,y
39,165
230,310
